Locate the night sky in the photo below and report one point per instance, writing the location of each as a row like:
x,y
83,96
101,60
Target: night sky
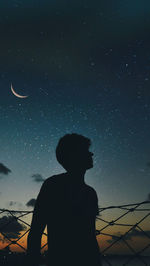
x,y
85,67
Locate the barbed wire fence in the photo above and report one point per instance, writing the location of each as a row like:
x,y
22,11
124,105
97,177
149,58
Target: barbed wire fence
x,y
133,221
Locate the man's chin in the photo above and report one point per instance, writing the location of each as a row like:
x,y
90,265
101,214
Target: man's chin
x,y
90,166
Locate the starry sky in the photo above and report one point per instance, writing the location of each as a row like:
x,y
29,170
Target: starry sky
x,y
85,67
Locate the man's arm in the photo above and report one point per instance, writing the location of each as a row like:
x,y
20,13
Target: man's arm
x,y
37,226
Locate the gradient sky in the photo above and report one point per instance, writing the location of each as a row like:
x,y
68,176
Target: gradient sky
x,y
85,66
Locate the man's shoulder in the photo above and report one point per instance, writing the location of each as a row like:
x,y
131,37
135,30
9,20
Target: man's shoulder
x,y
91,191
54,179
52,185
93,199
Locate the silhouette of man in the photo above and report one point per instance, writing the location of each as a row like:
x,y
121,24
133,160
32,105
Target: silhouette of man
x,y
68,206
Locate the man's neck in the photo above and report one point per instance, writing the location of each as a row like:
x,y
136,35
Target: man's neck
x,y
77,176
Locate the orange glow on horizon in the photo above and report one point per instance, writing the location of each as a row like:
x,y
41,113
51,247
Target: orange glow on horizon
x,y
118,248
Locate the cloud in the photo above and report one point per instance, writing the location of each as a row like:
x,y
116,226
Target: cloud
x,y
12,203
38,178
129,236
136,232
31,203
4,170
10,227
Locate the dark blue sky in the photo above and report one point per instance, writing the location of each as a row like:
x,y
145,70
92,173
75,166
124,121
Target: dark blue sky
x,y
85,68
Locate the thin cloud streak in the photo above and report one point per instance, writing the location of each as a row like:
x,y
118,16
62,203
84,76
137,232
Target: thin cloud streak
x,y
4,170
31,203
38,178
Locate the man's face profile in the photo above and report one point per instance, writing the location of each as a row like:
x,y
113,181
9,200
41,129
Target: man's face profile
x,y
84,159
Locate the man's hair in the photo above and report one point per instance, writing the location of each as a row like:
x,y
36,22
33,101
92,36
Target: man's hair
x,y
69,147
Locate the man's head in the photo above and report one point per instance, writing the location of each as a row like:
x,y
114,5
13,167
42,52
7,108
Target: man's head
x,y
72,152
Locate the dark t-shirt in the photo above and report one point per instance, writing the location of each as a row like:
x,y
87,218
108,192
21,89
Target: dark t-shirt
x,y
69,210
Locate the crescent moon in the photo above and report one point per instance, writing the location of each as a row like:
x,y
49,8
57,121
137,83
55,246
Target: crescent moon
x,y
16,94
